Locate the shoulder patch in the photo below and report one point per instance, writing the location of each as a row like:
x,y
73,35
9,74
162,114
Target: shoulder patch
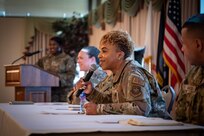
x,y
136,91
138,81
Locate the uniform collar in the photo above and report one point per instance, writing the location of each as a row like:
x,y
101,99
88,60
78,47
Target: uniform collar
x,y
118,74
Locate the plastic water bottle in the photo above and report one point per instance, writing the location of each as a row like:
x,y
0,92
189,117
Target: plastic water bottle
x,y
82,102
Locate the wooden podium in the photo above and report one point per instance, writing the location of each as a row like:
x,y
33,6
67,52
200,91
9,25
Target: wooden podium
x,y
31,83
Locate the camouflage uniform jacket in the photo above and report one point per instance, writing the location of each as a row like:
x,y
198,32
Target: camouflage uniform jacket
x,y
104,86
133,91
97,76
190,101
61,65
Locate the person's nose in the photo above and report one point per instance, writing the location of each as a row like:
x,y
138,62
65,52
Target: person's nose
x,y
99,55
78,60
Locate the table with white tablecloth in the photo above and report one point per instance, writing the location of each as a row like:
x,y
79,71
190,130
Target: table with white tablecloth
x,y
63,119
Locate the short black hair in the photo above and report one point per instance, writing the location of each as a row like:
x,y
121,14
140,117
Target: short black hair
x,y
196,19
58,40
92,51
195,22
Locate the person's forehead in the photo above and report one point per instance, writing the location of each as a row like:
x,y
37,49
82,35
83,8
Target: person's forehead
x,y
53,42
82,53
105,46
186,33
183,30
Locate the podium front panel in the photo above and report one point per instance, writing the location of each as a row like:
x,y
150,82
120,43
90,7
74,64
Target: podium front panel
x,y
12,75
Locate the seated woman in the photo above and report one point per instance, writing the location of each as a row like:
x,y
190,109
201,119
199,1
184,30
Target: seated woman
x,y
133,89
86,58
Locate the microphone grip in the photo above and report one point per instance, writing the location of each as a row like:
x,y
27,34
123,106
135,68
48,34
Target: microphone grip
x,y
87,78
79,91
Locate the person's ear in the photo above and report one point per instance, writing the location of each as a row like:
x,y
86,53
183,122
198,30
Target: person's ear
x,y
199,45
121,55
93,59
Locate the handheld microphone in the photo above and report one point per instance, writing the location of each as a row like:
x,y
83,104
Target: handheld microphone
x,y
28,54
87,77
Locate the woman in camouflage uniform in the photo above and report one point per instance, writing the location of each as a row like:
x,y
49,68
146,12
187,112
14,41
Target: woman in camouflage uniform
x,y
86,57
61,65
190,101
133,89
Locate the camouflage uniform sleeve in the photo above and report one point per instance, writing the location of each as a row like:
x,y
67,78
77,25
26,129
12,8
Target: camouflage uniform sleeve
x,y
190,101
68,74
180,106
99,97
71,97
136,98
39,63
104,94
158,104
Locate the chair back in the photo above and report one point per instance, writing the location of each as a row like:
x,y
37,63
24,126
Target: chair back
x,y
139,55
169,95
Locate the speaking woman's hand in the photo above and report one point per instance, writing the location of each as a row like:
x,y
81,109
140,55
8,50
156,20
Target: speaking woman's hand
x,y
90,108
87,87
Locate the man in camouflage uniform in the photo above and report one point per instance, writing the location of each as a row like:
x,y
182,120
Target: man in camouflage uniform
x,y
132,89
190,101
61,65
86,57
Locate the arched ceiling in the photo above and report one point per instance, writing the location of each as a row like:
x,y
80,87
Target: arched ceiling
x,y
43,8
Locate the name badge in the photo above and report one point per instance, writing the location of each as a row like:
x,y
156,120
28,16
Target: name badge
x,y
189,88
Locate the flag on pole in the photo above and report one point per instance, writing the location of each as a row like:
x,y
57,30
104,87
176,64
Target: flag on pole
x,y
162,70
172,54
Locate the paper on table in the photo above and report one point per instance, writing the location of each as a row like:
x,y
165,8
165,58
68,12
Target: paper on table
x,y
151,122
115,119
62,110
21,102
59,112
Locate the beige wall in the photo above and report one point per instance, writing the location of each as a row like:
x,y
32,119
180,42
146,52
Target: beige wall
x,y
12,37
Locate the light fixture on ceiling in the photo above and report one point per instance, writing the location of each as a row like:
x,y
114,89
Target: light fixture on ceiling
x,y
3,13
76,14
28,14
64,15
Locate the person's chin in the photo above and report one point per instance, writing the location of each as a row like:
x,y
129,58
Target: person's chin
x,y
53,51
102,65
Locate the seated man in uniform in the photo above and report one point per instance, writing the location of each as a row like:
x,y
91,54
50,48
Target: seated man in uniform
x,y
190,101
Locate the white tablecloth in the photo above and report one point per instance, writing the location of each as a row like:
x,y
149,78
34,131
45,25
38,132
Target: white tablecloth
x,y
45,118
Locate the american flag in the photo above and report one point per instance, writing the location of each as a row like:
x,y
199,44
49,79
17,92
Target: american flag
x,y
173,55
